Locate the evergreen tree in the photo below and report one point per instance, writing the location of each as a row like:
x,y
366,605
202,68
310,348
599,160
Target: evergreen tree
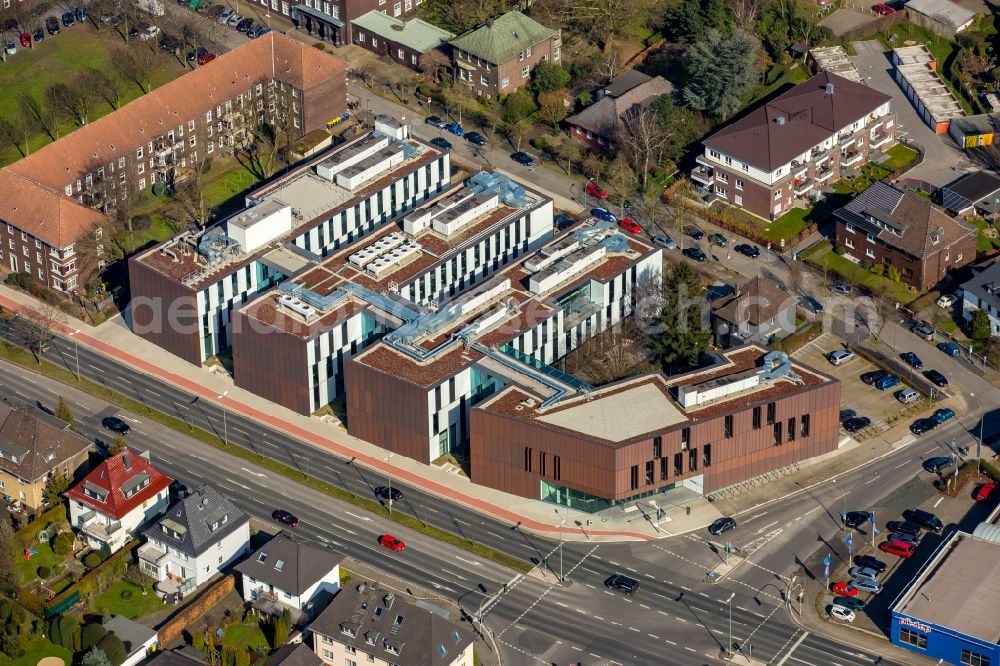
x,y
720,70
979,326
64,413
682,333
113,648
95,657
117,446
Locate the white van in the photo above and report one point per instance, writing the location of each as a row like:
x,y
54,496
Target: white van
x,y
840,356
907,395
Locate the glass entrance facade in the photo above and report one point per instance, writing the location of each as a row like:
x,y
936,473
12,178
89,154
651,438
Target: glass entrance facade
x,y
575,499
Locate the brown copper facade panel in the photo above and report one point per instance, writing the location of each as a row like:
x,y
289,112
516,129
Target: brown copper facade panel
x,y
271,363
164,312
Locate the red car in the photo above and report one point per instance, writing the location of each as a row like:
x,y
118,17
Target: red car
x,y
285,517
595,191
883,10
25,39
630,225
900,548
984,491
391,542
206,58
845,589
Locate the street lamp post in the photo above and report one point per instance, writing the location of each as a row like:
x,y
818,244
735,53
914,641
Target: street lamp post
x,y
562,523
843,504
388,462
729,646
979,440
225,426
76,351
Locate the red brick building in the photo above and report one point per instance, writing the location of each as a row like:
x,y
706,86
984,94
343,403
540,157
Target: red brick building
x,y
595,126
401,41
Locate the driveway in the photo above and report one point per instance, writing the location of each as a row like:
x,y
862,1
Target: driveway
x,y
943,162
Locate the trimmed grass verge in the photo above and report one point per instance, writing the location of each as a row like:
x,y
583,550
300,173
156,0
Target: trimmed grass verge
x,y
112,602
899,157
26,360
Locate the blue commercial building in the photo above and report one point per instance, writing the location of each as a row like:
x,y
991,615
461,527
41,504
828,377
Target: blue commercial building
x,y
949,610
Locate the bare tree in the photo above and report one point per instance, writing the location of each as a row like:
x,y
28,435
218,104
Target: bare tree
x,y
641,141
434,64
108,85
552,107
76,99
14,131
609,64
794,275
135,65
569,150
38,328
37,114
515,133
465,14
189,196
746,12
884,309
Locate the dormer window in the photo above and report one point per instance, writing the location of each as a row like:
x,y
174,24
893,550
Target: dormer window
x,y
348,630
390,648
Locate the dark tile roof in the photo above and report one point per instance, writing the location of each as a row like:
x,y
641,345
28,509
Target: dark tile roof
x,y
903,220
624,82
33,442
986,286
302,563
173,658
811,115
420,637
602,116
756,301
974,186
187,524
294,655
118,480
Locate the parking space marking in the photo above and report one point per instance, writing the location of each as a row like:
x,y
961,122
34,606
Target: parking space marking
x,y
907,462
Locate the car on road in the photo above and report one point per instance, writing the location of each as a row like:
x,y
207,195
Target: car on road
x,y
455,128
849,603
984,491
912,360
52,25
441,142
722,525
857,423
391,542
25,39
923,329
920,426
847,414
906,396
666,242
898,548
68,19
943,414
811,304
475,138
844,589
838,356
854,519
115,424
867,585
694,232
950,348
696,254
622,583
562,221
925,519
718,239
936,378
603,214
841,288
946,301
747,250
630,225
937,463
887,382
284,517
386,493
871,377
871,562
838,612
904,527
435,121
523,158
595,191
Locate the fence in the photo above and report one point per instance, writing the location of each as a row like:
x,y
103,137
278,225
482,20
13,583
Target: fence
x,y
171,630
922,185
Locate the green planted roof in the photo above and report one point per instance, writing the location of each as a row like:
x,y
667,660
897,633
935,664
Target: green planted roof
x,y
499,39
416,34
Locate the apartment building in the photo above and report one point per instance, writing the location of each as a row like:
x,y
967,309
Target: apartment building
x,y
333,21
184,292
888,226
497,57
782,154
158,138
291,344
750,413
402,41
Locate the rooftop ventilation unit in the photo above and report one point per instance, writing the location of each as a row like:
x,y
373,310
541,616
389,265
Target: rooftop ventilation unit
x,y
780,120
391,259
300,308
367,254
829,89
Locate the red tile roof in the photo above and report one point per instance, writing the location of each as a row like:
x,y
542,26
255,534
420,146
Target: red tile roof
x,y
115,475
43,212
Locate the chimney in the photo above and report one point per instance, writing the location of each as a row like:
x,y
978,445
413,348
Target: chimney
x,y
780,120
829,88
127,461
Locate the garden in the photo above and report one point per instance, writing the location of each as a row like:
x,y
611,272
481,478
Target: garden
x,y
823,257
129,599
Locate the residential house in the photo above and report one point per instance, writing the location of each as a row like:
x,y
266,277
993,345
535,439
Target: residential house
x,y
975,193
289,573
885,225
982,292
755,312
367,624
198,536
595,125
402,41
118,496
210,111
33,446
139,640
496,58
783,153
973,131
294,654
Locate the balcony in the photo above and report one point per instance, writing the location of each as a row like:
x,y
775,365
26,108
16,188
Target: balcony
x,y
851,157
100,530
823,174
151,554
847,142
879,139
803,185
702,174
819,159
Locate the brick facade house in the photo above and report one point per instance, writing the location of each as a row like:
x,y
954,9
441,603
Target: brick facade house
x,y
496,58
403,42
595,125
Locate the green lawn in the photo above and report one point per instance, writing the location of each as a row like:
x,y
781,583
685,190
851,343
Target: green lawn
x,y
250,637
794,75
789,225
899,157
36,650
27,569
855,274
111,601
57,59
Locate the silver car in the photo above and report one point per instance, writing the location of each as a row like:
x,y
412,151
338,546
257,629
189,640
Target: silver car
x,y
866,585
666,242
863,572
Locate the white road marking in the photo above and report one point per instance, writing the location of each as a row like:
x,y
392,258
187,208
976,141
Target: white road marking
x,y
472,562
766,526
250,471
903,465
364,518
938,502
788,654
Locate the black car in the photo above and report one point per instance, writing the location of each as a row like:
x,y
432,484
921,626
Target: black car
x,y
39,34
936,378
722,525
871,377
851,603
904,527
435,121
695,253
523,158
925,519
81,14
920,426
718,239
747,250
134,31
476,138
937,463
912,360
694,232
811,304
193,54
384,492
67,19
857,423
244,25
115,424
855,518
622,583
562,221
52,25
441,143
871,562
847,414
285,517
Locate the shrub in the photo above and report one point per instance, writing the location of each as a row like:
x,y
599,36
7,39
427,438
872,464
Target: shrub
x,y
319,45
206,166
114,648
44,572
62,544
91,560
127,594
878,269
142,222
21,280
91,635
892,273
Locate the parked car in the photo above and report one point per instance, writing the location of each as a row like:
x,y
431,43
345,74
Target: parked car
x,y
694,232
937,463
664,241
923,329
722,525
623,583
854,519
523,158
435,121
603,214
455,128
234,20
847,414
850,603
10,47
193,54
206,58
898,548
906,396
441,142
39,34
904,527
906,538
149,33
52,25
946,301
844,589
857,423
391,542
838,612
694,252
925,519
747,250
718,239
811,304
595,191
67,19
943,414
841,288
562,221
839,356
883,10
936,378
215,11
285,517
115,424
950,348
871,562
920,426
25,39
984,491
244,25
81,14
912,360
867,585
475,138
630,225
871,377
226,14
